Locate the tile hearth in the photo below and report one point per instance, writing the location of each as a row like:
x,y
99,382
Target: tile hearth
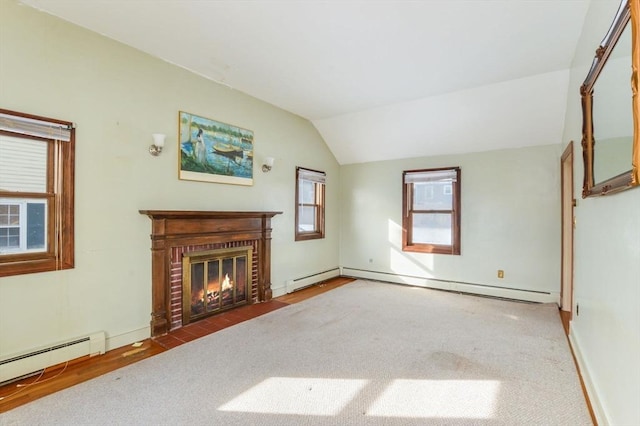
x,y
215,323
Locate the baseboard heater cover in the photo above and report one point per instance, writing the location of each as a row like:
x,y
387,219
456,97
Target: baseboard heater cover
x,y
22,364
471,288
298,283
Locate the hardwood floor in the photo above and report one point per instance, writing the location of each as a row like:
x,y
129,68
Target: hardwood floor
x,y
59,377
566,320
62,376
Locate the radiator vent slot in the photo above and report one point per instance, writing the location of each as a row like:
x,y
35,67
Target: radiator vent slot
x,y
21,364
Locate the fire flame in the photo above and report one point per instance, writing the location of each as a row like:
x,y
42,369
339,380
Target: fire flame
x,y
227,284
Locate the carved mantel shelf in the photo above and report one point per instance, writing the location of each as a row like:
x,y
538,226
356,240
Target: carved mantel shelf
x,y
175,228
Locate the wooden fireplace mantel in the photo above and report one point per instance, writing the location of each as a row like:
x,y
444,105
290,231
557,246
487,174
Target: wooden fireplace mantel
x,y
173,228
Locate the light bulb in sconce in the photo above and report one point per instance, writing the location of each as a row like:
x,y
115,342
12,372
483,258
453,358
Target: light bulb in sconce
x,y
268,164
158,143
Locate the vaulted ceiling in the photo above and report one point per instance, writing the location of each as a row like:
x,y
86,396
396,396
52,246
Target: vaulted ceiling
x,y
378,79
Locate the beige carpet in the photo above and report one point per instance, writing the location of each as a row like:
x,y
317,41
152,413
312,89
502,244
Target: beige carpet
x,y
367,353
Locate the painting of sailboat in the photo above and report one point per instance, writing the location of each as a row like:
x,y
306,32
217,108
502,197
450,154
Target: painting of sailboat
x,y
212,151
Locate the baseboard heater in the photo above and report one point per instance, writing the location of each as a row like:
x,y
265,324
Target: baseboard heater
x,y
298,283
18,365
455,286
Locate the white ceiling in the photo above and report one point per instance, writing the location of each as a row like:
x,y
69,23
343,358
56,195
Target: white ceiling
x,y
379,79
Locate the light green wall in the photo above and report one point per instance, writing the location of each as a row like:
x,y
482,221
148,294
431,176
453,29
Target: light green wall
x,y
118,97
510,219
606,332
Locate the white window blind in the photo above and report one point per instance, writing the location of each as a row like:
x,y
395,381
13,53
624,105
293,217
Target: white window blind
x,y
33,127
449,175
311,175
23,165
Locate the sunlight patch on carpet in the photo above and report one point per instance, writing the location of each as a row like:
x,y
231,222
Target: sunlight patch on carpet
x,y
469,399
293,395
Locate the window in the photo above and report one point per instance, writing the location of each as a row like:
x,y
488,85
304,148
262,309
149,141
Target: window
x,y
22,225
309,204
431,210
36,194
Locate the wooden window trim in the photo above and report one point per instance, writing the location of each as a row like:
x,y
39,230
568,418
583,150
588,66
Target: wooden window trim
x,y
320,209
60,206
407,223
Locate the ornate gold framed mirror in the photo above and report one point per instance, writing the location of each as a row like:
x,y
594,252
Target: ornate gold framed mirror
x,y
611,120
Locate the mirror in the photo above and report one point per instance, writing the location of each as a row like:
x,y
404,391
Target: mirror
x,y
612,117
610,107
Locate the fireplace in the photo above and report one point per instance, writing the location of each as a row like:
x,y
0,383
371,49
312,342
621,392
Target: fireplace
x,y
200,244
214,281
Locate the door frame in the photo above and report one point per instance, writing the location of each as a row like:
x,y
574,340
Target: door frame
x,y
568,203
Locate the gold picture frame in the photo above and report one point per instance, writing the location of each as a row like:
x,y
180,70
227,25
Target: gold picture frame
x,y
212,151
628,15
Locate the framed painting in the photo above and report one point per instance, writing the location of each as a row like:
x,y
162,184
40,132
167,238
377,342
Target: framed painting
x,y
211,151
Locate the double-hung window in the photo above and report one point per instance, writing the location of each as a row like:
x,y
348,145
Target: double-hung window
x,y
431,210
36,193
310,186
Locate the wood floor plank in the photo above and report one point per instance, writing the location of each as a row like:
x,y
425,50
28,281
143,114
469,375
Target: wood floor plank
x,y
314,290
62,376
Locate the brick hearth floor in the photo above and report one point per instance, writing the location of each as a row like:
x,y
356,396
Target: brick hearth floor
x,y
215,323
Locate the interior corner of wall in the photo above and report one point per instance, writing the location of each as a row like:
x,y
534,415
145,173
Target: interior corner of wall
x,y
130,337
280,291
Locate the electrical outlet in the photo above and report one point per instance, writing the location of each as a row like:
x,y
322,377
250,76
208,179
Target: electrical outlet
x,y
578,310
500,273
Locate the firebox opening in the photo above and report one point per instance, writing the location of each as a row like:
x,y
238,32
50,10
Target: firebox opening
x,y
214,281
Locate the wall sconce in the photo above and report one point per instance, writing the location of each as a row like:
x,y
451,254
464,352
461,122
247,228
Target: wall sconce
x,y
268,164
158,142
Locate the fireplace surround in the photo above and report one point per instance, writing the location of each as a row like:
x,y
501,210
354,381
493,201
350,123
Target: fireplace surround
x,y
176,233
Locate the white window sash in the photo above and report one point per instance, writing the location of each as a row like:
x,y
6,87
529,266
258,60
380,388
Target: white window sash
x,y
23,225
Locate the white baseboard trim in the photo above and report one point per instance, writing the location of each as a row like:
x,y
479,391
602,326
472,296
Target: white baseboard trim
x,y
298,283
485,290
278,291
583,368
128,338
